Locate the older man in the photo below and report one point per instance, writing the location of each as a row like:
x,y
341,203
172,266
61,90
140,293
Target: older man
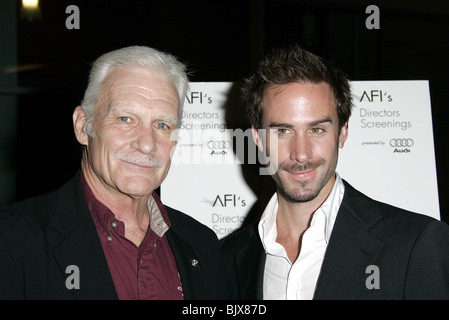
x,y
105,234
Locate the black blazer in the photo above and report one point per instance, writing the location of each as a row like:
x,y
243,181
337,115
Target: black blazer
x,y
42,236
410,250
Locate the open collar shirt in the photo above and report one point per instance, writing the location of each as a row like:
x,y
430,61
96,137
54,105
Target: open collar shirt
x,y
145,272
284,280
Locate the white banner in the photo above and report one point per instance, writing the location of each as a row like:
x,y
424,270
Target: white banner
x,y
205,179
389,154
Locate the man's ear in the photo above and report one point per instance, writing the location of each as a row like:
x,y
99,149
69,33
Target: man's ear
x,y
80,125
257,138
343,135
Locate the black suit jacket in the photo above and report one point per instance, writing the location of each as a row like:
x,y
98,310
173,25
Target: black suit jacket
x,y
410,250
42,236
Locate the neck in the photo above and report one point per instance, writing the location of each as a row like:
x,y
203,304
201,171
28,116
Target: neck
x,y
132,211
116,201
294,218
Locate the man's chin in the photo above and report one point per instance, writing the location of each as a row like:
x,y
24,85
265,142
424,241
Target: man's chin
x,y
138,186
298,196
296,191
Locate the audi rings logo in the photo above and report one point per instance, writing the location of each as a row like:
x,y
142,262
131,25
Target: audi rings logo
x,y
402,143
219,144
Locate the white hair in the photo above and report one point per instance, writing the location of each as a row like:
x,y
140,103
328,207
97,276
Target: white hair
x,y
133,56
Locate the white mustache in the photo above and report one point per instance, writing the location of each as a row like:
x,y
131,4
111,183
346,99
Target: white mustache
x,y
140,159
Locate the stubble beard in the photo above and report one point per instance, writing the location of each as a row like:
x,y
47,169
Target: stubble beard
x,y
301,191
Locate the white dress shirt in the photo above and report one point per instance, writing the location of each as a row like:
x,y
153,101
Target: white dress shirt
x,y
297,281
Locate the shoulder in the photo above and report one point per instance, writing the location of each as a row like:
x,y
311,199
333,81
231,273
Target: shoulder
x,y
36,210
23,224
391,219
406,224
190,229
240,238
181,220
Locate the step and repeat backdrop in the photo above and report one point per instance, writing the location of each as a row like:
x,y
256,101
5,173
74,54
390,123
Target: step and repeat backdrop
x,y
216,175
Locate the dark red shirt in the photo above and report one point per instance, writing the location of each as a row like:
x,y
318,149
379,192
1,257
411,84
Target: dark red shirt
x,y
147,272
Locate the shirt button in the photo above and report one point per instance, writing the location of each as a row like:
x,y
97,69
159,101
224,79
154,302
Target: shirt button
x,y
114,224
109,238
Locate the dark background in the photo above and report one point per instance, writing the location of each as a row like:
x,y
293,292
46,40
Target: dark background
x,y
44,66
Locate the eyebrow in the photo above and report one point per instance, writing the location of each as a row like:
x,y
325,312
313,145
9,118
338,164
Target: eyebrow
x,y
325,120
168,119
116,106
123,108
279,125
311,124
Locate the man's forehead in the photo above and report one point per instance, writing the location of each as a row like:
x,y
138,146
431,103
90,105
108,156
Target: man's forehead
x,y
136,77
276,89
299,93
299,102
138,81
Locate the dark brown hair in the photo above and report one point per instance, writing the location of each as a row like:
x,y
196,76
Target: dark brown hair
x,y
294,64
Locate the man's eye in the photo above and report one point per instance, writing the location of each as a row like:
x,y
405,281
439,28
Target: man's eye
x,y
162,126
316,130
125,119
282,131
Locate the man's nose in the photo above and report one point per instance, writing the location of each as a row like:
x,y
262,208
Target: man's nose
x,y
301,148
145,140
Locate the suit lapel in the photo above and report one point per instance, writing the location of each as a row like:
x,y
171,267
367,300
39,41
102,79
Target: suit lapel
x,y
250,261
351,249
74,240
188,263
195,266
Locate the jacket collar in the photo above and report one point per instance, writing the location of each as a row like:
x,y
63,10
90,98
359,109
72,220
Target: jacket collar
x,y
250,263
197,260
352,247
74,242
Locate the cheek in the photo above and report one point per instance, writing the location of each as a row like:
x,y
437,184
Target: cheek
x,y
283,152
322,150
165,148
328,152
271,143
106,145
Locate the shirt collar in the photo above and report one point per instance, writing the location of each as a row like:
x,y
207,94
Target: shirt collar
x,y
159,221
104,217
329,208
